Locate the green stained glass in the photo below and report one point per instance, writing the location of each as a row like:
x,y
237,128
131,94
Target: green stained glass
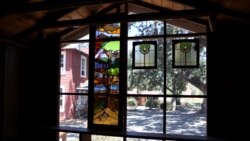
x,y
106,83
144,54
186,53
144,48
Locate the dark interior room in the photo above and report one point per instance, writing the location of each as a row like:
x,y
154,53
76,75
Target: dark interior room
x,y
184,70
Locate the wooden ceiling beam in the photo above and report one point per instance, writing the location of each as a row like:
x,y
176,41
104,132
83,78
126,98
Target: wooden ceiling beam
x,y
122,17
53,18
161,9
11,42
215,9
49,18
52,5
152,6
103,11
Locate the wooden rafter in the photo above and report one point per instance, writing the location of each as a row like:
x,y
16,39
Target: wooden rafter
x,y
161,9
103,11
11,42
110,18
52,5
49,18
52,18
215,9
152,6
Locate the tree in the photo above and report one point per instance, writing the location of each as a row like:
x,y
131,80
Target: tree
x,y
177,79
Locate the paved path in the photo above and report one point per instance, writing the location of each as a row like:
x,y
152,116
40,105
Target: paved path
x,y
184,122
189,122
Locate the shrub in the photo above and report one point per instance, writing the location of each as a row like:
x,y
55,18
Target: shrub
x,y
162,105
152,103
131,102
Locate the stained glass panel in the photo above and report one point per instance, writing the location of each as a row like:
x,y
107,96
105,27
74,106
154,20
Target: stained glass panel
x,y
144,54
106,82
108,31
186,53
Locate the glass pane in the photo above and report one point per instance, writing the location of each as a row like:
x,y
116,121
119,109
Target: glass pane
x,y
106,76
105,138
108,31
74,68
139,139
144,114
65,136
73,111
186,53
187,116
144,54
184,26
145,81
145,28
106,110
106,82
187,81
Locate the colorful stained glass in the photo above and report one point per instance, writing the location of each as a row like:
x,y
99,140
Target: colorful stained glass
x,y
108,31
106,83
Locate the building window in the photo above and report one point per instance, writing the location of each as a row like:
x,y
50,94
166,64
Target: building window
x,y
73,99
159,99
63,62
62,99
105,108
83,66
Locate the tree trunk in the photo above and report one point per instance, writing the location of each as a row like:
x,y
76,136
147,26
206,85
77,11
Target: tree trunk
x,y
200,85
204,105
173,100
173,104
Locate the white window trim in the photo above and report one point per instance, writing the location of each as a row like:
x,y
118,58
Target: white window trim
x,y
63,69
62,107
85,64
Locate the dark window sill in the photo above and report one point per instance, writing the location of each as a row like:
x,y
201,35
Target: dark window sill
x,y
132,134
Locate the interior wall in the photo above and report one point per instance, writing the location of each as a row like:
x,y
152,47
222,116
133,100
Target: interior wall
x,y
39,99
2,52
29,86
9,100
227,82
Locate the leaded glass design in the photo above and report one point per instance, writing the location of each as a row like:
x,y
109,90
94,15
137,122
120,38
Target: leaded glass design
x,y
144,54
106,83
186,53
108,31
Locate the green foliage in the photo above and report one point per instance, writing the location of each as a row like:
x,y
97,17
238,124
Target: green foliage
x,y
162,105
176,79
169,106
131,102
152,103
